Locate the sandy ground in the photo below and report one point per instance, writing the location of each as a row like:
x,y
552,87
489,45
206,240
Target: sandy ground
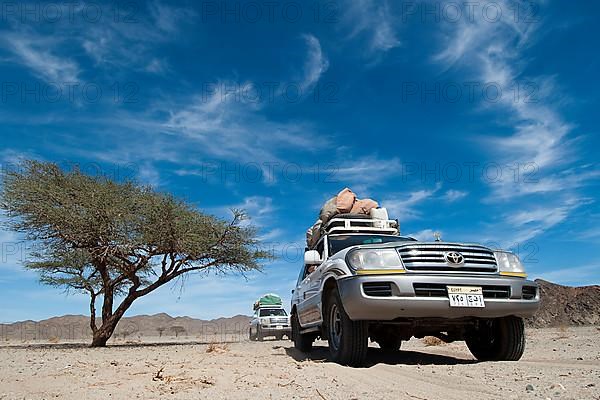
x,y
562,364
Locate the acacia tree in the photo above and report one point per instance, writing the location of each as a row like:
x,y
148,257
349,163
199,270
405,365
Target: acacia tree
x,y
117,241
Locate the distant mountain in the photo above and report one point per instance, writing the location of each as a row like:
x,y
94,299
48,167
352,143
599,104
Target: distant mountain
x,y
560,306
566,305
74,327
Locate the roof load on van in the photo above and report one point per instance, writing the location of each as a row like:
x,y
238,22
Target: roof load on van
x,y
268,300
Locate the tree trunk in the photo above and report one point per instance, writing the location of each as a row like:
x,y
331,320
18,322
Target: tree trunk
x,y
102,334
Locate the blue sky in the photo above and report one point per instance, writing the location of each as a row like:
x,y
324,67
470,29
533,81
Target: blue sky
x,y
479,121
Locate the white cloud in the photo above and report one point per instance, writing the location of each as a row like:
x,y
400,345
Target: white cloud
x,y
316,63
529,223
372,20
361,174
38,53
454,195
540,144
124,44
227,126
491,52
406,208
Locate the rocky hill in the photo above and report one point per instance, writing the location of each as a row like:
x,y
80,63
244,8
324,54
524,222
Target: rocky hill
x,y
566,305
74,327
560,306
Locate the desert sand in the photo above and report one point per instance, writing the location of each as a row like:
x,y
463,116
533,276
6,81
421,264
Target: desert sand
x,y
558,363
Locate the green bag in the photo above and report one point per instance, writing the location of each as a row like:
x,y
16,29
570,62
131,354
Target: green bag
x,y
268,300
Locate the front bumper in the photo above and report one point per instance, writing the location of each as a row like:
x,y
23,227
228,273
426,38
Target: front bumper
x,y
404,303
275,330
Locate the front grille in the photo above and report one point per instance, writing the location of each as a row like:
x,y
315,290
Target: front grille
x,y
430,257
377,289
440,290
278,320
529,292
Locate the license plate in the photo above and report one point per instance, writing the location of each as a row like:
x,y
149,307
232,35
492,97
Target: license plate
x,y
279,327
465,296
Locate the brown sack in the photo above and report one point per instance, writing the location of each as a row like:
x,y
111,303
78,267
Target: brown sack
x,y
363,206
345,200
329,210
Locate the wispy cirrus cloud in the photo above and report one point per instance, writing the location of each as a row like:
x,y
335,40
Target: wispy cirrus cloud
x,y
535,220
373,22
541,140
39,54
316,63
406,207
454,195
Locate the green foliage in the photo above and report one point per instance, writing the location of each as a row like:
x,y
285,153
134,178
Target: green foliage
x,y
104,237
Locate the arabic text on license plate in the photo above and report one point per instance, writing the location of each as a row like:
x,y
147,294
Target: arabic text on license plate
x,y
465,296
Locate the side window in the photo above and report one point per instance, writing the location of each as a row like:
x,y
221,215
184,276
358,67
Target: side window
x,y
302,275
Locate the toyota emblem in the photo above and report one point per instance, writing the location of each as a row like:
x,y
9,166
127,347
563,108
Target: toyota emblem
x,y
454,258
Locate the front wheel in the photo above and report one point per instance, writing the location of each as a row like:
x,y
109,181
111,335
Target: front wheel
x,y
500,339
259,335
348,340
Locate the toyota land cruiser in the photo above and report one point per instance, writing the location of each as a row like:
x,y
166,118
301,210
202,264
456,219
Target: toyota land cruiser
x,y
372,283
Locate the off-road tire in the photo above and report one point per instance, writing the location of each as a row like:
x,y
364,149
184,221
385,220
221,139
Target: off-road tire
x,y
259,335
499,339
390,343
348,340
251,337
302,342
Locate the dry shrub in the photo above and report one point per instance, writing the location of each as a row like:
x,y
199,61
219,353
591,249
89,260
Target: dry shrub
x,y
432,341
217,348
53,339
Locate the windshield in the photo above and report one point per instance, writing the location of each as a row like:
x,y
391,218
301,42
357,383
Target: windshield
x,y
340,242
274,312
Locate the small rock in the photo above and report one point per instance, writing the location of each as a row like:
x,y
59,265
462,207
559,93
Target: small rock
x,y
529,388
579,358
590,385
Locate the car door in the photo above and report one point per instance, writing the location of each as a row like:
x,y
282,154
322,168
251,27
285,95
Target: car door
x,y
309,295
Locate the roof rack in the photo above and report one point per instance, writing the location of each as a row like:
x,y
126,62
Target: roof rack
x,y
349,224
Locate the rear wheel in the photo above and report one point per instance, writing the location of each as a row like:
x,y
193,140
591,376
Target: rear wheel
x,y
302,342
348,340
390,343
500,339
250,335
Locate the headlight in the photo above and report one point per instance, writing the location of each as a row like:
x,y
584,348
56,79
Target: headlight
x,y
508,262
374,259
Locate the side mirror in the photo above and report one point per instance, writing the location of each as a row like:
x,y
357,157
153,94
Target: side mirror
x,y
312,257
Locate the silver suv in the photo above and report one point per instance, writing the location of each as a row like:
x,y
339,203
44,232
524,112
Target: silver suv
x,y
269,321
363,280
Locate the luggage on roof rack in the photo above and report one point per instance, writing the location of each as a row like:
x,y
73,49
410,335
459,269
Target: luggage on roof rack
x,y
345,223
346,207
268,300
